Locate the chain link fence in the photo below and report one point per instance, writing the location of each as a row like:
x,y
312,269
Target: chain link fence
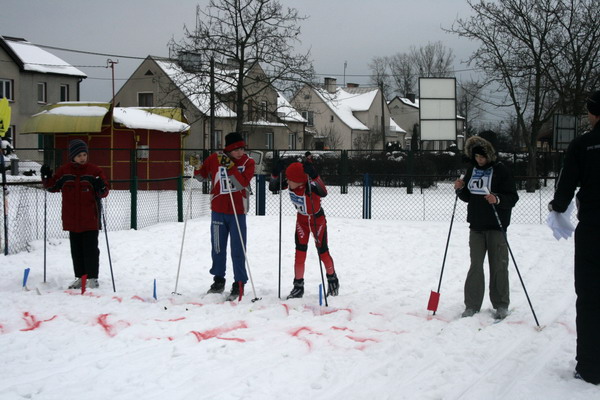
x,y
402,185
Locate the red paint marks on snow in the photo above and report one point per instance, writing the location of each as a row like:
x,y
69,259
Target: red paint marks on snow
x,y
32,322
326,311
428,317
1,328
217,332
117,298
361,339
568,327
287,309
170,320
341,328
138,298
376,314
110,329
296,333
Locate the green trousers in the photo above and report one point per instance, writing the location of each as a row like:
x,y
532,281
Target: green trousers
x,y
494,244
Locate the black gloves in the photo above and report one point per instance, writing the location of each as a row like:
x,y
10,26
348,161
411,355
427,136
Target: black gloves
x,y
277,167
46,172
225,161
554,207
309,169
98,184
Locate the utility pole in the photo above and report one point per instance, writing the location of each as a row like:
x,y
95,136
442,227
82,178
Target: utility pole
x,y
212,103
111,64
382,115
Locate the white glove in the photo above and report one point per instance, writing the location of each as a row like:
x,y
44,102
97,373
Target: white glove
x,y
560,223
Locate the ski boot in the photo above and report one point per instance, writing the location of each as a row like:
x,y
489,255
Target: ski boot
x,y
76,284
334,285
92,283
298,290
218,285
237,291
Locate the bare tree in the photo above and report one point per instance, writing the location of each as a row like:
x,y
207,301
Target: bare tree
x,y
333,138
403,73
243,36
431,60
380,74
469,104
539,54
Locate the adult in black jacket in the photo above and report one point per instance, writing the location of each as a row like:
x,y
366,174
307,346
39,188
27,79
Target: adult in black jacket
x,y
487,184
582,168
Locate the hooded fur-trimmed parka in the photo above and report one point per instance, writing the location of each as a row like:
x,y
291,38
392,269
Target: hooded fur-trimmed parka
x,y
493,176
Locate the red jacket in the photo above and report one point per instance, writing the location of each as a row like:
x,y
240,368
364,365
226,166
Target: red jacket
x,y
221,178
80,202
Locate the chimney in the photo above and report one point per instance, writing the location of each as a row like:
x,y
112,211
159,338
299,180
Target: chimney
x,y
330,85
411,97
352,85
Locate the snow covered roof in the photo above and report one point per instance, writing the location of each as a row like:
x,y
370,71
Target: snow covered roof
x,y
344,102
139,118
75,117
194,87
395,127
408,102
37,59
286,112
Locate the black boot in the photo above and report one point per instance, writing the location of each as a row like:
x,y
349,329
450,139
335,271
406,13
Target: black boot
x,y
236,289
218,285
334,284
298,290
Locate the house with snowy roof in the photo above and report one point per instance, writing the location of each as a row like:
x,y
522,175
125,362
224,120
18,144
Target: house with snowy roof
x,y
405,111
347,118
270,121
31,78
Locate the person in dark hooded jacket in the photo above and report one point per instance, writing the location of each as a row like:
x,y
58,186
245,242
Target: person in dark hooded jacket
x,y
487,184
580,168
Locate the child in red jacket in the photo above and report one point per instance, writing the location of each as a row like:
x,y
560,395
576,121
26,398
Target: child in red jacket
x,y
306,197
231,172
82,186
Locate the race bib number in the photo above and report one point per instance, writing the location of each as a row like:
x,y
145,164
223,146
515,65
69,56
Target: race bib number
x,y
225,184
481,181
299,202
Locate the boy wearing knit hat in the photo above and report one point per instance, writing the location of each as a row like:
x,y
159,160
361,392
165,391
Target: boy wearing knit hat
x,y
580,168
231,172
306,197
82,185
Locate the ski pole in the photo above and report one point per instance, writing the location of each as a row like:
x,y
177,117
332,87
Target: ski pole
x,y
315,233
280,190
112,277
4,201
434,297
183,239
45,228
513,259
243,245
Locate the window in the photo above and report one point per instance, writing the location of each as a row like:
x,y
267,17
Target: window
x,y
40,144
331,118
217,142
146,99
263,110
310,117
292,141
41,95
269,140
9,135
6,89
64,92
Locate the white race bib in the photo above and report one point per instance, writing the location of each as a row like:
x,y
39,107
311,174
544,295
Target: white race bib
x,y
481,181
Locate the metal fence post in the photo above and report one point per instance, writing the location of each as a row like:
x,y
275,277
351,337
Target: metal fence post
x,y
261,199
344,172
367,197
180,198
133,189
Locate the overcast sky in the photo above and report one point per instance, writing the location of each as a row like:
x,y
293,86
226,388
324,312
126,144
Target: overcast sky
x,y
336,31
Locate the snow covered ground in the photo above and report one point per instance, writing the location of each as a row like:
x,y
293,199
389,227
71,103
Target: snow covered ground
x,y
376,340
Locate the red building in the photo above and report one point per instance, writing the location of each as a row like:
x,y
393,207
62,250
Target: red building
x,y
126,142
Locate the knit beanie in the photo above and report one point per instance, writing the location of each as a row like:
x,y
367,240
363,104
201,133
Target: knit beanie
x,y
75,147
479,150
295,172
593,103
233,141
